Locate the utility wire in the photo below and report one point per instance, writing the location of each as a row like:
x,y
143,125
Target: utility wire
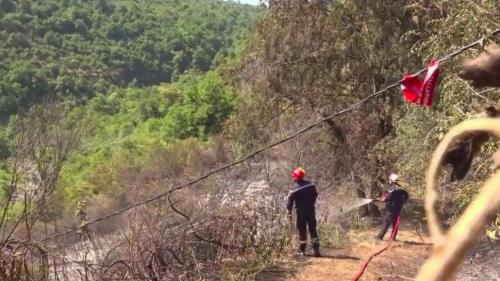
x,y
269,146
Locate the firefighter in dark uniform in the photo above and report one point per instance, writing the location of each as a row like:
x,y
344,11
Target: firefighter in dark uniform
x,y
394,199
303,195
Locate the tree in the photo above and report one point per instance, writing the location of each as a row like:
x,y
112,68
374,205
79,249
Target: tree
x,y
42,140
7,6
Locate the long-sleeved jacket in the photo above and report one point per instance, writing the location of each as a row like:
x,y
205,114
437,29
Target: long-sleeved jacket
x,y
394,200
303,195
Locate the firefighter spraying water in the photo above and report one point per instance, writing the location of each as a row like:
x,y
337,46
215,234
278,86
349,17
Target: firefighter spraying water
x,y
394,199
303,197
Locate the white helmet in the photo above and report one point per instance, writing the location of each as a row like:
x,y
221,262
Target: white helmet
x,y
393,178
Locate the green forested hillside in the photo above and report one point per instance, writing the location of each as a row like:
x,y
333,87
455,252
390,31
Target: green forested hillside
x,y
75,49
144,73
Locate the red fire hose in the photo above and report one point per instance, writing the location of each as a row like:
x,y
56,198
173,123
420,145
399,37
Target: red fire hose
x,y
377,251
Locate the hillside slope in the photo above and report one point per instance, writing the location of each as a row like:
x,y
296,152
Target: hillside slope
x,y
77,48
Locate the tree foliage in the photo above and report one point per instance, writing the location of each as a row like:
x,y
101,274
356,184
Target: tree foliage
x,y
321,56
132,122
79,48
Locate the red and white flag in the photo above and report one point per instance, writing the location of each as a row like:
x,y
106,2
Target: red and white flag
x,y
421,92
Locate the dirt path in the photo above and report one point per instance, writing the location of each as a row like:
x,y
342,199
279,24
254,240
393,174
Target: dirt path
x,y
400,262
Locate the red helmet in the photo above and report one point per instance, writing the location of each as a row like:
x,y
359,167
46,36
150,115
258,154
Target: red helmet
x,y
298,174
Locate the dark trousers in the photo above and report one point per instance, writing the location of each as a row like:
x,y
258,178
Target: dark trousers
x,y
389,219
306,219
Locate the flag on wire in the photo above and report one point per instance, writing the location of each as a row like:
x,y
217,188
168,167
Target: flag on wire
x,y
421,92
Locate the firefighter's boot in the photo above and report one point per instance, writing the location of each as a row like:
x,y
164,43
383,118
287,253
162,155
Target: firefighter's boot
x,y
315,246
301,251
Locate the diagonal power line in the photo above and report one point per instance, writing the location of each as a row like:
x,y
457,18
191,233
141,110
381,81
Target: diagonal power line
x,y
269,146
